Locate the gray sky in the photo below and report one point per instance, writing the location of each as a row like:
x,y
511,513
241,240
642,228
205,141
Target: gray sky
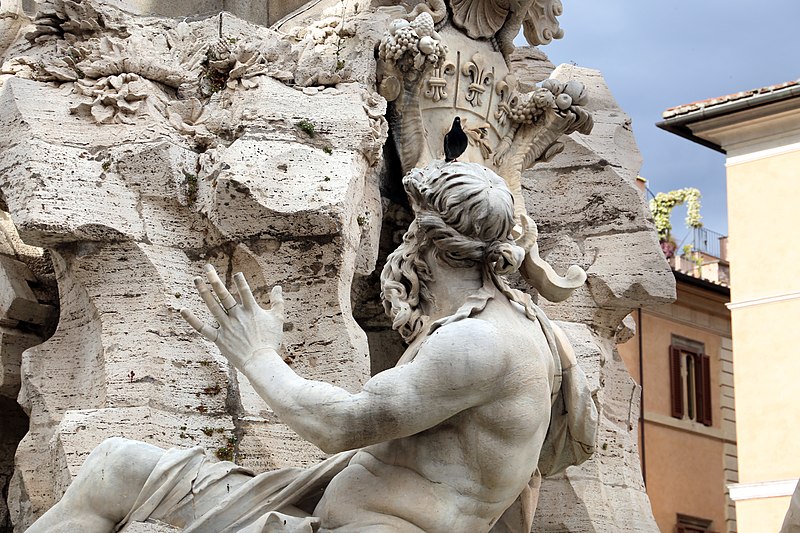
x,y
656,55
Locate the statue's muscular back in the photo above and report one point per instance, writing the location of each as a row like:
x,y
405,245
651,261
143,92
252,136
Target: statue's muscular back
x,y
461,474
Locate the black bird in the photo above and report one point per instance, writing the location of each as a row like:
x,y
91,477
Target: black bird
x,y
455,141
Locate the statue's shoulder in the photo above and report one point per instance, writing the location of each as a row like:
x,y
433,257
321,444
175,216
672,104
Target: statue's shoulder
x,y
467,328
467,338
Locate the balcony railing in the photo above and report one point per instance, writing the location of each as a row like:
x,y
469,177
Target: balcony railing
x,y
707,259
710,243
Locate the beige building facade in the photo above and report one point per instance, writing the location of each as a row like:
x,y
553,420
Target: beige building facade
x,y
759,131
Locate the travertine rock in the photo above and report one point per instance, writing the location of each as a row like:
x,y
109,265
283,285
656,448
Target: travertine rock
x,y
256,177
605,494
27,317
590,212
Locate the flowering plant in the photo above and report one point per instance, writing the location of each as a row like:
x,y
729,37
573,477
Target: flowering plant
x,y
662,204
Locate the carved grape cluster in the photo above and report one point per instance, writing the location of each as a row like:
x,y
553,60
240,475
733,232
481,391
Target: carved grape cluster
x,y
416,39
528,107
402,40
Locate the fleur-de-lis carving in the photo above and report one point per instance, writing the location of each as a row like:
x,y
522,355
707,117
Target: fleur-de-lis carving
x,y
480,79
437,83
505,89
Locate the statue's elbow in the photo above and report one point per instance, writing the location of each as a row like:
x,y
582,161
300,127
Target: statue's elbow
x,y
331,447
326,439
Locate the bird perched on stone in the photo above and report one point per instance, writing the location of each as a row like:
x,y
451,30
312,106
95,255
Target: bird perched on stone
x,y
455,141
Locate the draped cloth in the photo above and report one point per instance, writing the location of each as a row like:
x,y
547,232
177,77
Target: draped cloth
x,y
255,506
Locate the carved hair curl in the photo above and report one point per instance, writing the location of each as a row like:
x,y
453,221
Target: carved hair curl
x,y
466,212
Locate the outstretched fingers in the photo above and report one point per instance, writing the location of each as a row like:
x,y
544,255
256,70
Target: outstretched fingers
x,y
209,299
209,332
245,294
226,299
276,300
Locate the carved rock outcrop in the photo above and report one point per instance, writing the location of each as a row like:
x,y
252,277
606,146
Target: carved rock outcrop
x,y
136,149
28,311
590,212
133,177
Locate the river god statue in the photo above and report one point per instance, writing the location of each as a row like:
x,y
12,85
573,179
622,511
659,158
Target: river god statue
x,y
487,395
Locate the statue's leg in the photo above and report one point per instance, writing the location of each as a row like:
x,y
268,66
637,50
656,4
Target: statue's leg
x,y
104,490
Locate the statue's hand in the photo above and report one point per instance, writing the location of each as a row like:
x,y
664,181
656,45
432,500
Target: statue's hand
x,y
244,327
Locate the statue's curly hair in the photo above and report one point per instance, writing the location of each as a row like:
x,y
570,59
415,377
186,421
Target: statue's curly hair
x,y
466,212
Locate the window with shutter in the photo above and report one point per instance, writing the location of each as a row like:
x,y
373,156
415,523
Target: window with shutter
x,y
690,381
676,381
693,524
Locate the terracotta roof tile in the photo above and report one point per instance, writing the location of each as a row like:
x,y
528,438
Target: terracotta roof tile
x,y
712,102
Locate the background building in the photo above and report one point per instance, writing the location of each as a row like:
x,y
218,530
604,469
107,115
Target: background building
x,y
682,356
759,131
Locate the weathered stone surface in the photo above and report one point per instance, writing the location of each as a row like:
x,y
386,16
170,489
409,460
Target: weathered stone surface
x,y
14,425
530,65
590,213
585,201
606,493
257,177
27,317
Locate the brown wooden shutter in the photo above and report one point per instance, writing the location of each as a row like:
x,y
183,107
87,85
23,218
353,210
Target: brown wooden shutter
x,y
704,389
676,381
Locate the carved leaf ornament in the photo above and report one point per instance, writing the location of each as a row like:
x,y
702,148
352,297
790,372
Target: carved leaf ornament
x,y
541,23
480,18
485,18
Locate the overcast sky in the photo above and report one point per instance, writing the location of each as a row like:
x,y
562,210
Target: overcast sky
x,y
659,54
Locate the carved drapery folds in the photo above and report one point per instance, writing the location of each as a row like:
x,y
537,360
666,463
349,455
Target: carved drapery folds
x,y
501,19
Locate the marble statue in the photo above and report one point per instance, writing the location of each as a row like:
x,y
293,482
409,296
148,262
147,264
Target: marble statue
x,y
448,440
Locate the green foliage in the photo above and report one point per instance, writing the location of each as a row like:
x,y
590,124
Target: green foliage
x,y
227,452
308,127
190,182
662,205
340,41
